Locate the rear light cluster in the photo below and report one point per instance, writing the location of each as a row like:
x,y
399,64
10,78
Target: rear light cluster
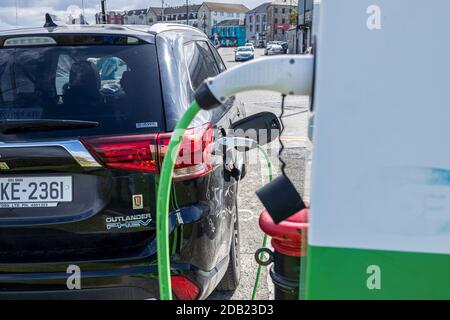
x,y
183,288
146,152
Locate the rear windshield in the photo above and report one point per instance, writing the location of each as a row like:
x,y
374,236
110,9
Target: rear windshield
x,y
115,85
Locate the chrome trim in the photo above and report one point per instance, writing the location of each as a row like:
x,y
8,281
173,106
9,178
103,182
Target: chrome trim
x,y
74,147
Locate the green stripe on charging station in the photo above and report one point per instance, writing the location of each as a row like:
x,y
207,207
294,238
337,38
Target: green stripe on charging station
x,y
339,273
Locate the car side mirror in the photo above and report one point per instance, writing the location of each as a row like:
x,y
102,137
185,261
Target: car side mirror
x,y
262,127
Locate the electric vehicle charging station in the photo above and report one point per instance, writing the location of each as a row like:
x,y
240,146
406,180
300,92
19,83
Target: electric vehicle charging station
x,y
379,219
380,198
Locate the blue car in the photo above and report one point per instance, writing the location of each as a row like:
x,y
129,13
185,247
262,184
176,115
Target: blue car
x,y
244,53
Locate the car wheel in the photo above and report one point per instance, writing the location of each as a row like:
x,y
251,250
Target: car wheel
x,y
230,280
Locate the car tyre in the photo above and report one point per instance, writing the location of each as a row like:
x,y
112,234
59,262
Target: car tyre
x,y
230,280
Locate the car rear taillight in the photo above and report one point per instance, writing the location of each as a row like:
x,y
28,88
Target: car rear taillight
x,y
146,152
136,152
194,157
183,288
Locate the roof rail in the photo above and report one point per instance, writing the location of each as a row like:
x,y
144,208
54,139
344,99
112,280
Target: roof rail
x,y
161,27
113,27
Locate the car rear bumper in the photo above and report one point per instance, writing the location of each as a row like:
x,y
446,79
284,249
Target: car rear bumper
x,y
122,293
132,277
100,280
243,58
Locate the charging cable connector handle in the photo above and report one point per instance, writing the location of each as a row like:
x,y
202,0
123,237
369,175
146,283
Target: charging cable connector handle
x,y
288,75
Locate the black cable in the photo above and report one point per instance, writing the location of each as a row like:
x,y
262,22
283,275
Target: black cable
x,y
283,164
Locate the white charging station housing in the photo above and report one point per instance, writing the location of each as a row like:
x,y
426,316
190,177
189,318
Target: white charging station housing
x,y
380,205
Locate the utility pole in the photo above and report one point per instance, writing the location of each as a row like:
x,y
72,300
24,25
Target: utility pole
x,y
162,10
305,31
187,12
103,4
17,13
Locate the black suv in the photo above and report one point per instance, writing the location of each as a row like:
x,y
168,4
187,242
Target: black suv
x,y
85,119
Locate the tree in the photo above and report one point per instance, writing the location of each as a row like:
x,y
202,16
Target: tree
x,y
293,17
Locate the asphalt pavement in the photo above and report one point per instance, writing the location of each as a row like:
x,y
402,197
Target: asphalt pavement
x,y
297,157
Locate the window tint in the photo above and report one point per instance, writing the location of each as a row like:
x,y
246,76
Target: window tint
x,y
117,86
200,62
110,70
65,62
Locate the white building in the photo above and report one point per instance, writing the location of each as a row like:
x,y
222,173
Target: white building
x,y
211,13
256,22
138,16
177,14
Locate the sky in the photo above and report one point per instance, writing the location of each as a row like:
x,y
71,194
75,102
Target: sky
x,y
31,12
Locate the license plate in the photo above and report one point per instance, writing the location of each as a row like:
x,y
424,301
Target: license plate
x,y
32,192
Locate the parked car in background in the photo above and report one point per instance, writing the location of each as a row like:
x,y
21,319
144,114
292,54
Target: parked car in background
x,y
283,44
273,49
244,53
86,115
268,44
249,44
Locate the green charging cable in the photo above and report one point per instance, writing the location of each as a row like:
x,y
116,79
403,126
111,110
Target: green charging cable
x,y
258,272
162,208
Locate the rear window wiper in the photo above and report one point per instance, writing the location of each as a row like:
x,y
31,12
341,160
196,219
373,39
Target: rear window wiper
x,y
41,125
